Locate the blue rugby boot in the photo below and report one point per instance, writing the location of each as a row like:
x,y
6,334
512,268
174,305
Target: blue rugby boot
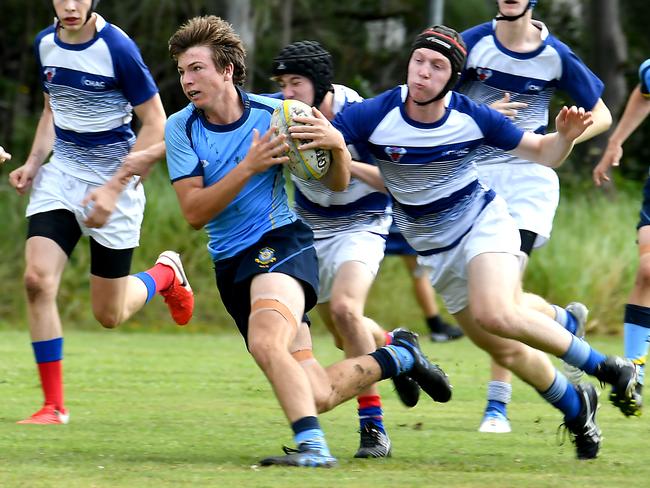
x,y
309,454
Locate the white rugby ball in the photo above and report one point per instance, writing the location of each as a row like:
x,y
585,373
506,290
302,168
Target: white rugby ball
x,y
309,164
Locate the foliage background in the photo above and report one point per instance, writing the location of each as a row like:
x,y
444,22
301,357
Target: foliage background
x,y
591,256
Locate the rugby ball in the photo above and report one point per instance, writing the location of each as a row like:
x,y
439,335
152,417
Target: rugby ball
x,y
309,164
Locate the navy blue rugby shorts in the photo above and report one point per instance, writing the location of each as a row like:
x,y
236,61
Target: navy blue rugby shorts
x,y
288,249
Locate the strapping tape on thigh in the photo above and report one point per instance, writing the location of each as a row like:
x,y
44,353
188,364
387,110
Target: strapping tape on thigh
x,y
303,355
264,304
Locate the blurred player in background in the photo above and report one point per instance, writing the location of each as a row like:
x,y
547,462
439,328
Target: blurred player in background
x,y
515,65
637,311
93,78
226,169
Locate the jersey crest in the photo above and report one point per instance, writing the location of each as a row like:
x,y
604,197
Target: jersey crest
x,y
395,153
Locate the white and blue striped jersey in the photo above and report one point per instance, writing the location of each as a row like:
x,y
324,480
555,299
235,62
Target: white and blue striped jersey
x,y
93,88
359,207
428,167
492,70
195,147
644,76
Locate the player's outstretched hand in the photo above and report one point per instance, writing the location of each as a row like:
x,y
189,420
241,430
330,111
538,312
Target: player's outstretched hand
x,y
21,178
572,122
99,204
4,155
508,108
611,157
317,132
266,151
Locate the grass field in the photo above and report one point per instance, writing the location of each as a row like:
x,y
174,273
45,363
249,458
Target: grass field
x,y
190,409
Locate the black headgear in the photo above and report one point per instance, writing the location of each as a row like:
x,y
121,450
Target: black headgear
x,y
308,59
511,18
450,44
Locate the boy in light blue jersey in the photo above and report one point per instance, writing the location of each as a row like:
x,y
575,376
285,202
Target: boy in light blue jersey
x,y
93,79
226,169
637,311
515,65
422,136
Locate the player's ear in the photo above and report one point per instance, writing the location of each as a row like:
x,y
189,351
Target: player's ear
x,y
228,72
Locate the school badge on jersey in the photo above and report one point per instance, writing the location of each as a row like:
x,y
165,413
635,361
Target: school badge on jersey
x,y
483,73
266,257
395,153
49,74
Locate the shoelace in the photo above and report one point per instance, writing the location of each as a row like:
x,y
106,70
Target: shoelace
x,y
369,436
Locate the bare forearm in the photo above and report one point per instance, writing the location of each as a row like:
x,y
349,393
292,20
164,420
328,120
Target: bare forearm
x,y
202,204
337,177
43,140
636,110
369,174
602,120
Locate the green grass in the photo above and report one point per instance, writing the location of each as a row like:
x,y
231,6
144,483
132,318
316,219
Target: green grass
x,y
192,409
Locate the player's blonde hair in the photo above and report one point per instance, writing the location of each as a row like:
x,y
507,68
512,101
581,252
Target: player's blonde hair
x,y
218,35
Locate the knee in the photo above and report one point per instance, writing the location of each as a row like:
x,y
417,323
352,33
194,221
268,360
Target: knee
x,y
495,321
345,316
108,318
262,352
643,274
39,285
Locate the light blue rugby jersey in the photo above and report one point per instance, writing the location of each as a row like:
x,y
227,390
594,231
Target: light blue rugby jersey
x,y
532,78
428,168
93,88
359,207
196,147
644,76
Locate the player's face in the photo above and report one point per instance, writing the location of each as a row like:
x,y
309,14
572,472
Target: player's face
x,y
200,79
512,7
72,13
428,73
296,87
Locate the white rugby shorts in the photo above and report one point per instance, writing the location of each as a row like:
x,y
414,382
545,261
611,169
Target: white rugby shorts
x,y
53,189
532,192
361,246
494,231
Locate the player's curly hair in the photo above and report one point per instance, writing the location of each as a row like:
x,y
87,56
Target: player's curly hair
x,y
217,34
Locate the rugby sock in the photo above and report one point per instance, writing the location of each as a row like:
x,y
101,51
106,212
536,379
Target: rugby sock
x,y
160,277
307,429
636,333
393,360
565,319
581,355
49,359
370,411
499,395
434,324
563,396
